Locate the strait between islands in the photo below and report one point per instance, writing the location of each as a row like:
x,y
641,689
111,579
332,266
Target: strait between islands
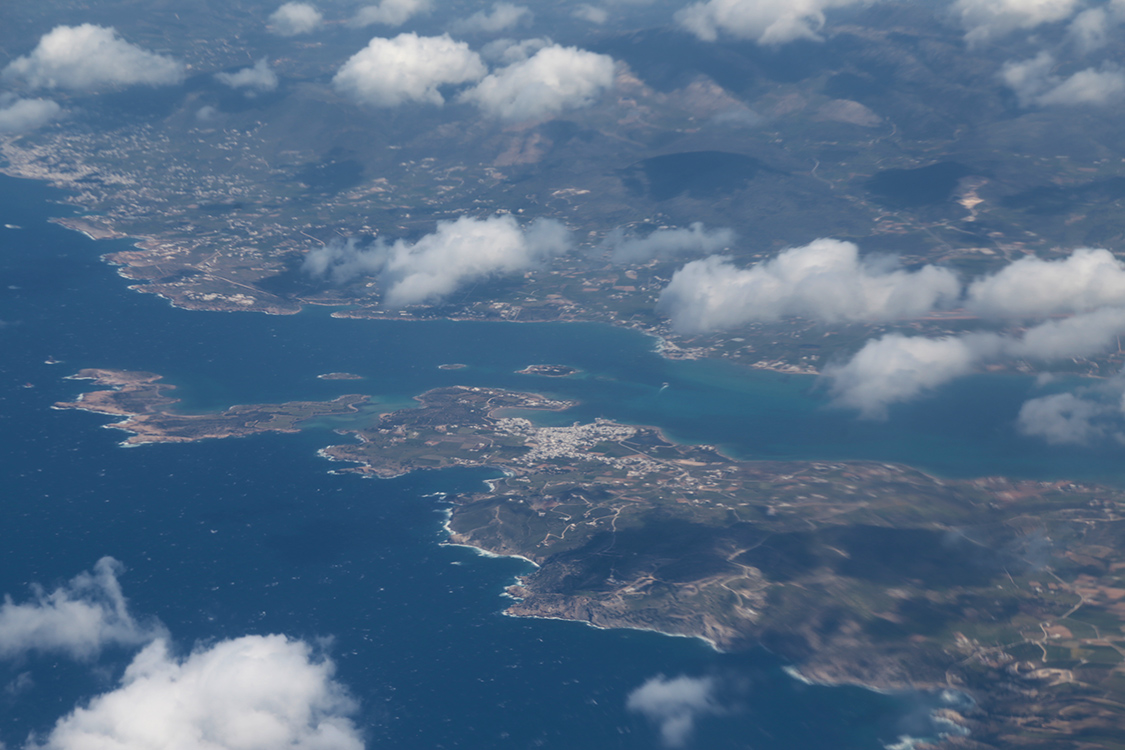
x,y
857,572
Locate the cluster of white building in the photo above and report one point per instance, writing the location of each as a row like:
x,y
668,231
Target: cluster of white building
x,y
564,442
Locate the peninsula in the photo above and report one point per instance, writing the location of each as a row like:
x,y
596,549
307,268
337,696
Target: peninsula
x,y
858,572
143,402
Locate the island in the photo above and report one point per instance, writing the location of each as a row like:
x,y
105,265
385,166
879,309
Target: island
x,y
549,371
144,403
875,574
340,376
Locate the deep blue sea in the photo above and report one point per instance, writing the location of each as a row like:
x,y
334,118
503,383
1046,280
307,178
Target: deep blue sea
x,y
228,538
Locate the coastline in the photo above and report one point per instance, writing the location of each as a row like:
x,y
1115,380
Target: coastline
x,y
95,229
447,512
508,611
710,644
795,672
480,551
140,399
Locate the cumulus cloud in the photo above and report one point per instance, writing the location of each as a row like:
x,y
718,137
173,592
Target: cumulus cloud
x,y
1091,86
1087,279
507,51
1036,84
90,57
591,13
895,368
250,693
1072,419
458,252
1089,414
207,114
391,12
765,21
292,19
553,79
21,115
1077,336
78,619
824,280
259,77
503,16
986,19
343,259
1090,29
667,243
674,705
388,72
467,250
1029,78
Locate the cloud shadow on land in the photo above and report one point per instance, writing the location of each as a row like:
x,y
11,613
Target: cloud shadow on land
x,y
698,174
914,188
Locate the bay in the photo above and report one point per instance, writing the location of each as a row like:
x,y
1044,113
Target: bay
x,y
227,538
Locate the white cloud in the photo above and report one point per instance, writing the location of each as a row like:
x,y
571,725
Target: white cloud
x,y
591,13
668,243
674,705
1066,418
553,79
824,280
250,693
388,72
1077,336
1087,87
1029,78
738,117
503,16
391,12
1090,29
21,684
467,250
1087,279
292,19
1036,84
1089,414
508,51
765,21
985,19
343,260
90,57
21,115
260,77
896,368
458,252
207,114
78,619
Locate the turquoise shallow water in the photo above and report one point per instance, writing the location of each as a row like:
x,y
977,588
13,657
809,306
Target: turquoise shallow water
x,y
226,538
